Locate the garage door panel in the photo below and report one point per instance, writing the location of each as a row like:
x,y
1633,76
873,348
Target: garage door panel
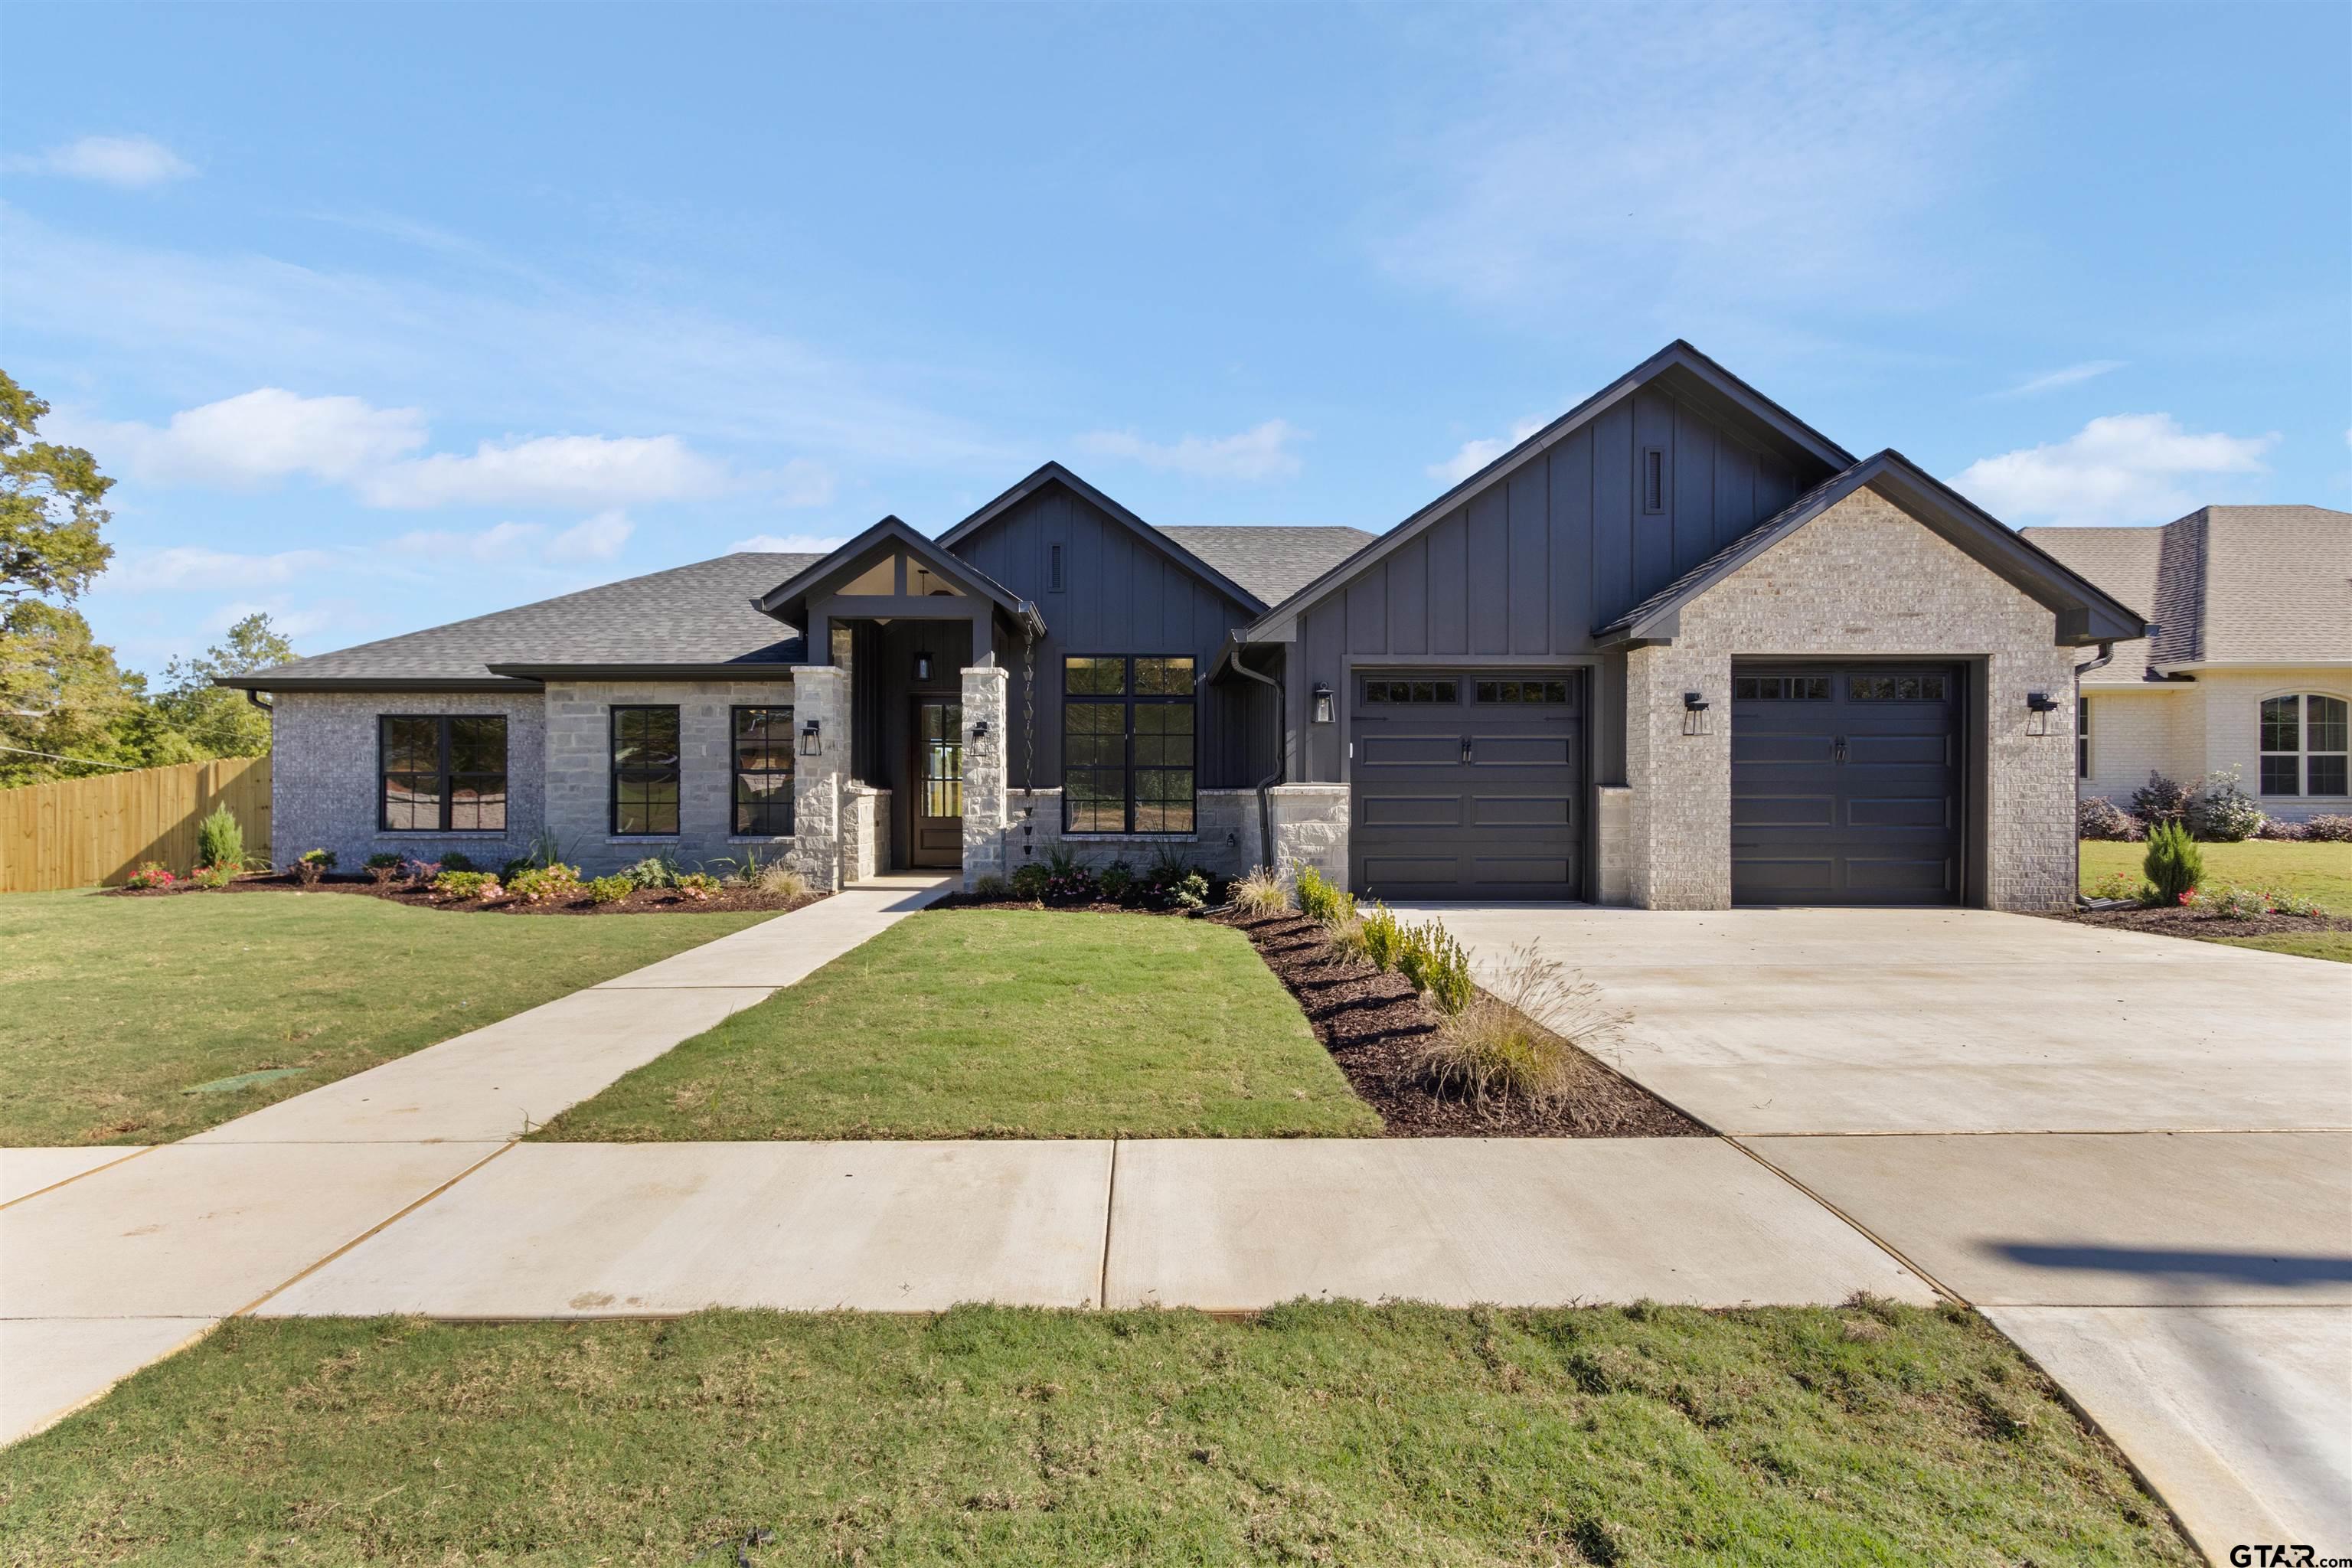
x,y
1521,870
1410,870
1521,811
1763,750
1782,810
1413,811
1926,876
1489,750
1898,751
1379,749
1923,811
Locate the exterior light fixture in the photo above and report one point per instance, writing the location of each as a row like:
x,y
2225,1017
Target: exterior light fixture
x,y
2039,706
810,742
983,739
1695,719
923,665
1322,695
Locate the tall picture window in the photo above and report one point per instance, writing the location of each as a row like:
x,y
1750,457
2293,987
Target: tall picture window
x,y
441,772
2304,744
763,772
1126,744
645,771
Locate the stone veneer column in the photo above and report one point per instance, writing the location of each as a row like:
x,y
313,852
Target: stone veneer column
x,y
820,691
984,793
1310,828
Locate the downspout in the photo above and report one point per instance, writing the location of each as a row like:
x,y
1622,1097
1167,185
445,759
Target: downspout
x,y
1264,805
2106,657
254,697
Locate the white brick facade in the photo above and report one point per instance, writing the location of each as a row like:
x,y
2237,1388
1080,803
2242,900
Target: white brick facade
x,y
1863,579
579,770
324,784
2190,730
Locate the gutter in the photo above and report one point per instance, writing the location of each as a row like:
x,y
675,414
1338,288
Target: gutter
x,y
2106,657
253,695
1265,804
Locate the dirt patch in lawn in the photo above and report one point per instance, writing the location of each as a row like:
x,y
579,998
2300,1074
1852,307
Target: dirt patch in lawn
x,y
1375,1024
2203,925
642,901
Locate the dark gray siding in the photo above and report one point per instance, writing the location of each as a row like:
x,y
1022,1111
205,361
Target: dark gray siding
x,y
1120,595
1527,567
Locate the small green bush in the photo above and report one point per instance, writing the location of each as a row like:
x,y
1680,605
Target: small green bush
x,y
2229,903
556,884
654,871
220,841
696,886
2174,865
994,888
1118,882
609,889
1318,898
2286,903
2161,800
1383,936
1259,893
311,865
458,860
2222,812
1189,892
1434,962
2121,885
218,875
1029,881
1522,1045
466,885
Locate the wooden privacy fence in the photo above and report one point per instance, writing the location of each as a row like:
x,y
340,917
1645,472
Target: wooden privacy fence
x,y
81,833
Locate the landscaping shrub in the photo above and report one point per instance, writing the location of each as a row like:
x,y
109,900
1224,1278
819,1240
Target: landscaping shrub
x,y
1343,940
1259,892
1433,961
2282,902
2099,817
991,887
460,885
609,889
2121,885
1120,883
778,880
1029,880
150,874
220,841
2174,865
1383,936
2328,829
2160,800
2274,827
1318,900
556,884
457,860
695,885
385,867
654,871
514,868
1067,878
1189,892
311,865
215,877
2227,902
1495,1052
2220,812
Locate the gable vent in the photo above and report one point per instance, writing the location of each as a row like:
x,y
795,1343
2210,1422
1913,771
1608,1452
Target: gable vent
x,y
1654,478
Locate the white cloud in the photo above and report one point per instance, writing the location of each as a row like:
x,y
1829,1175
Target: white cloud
x,y
550,471
2123,468
2072,376
598,539
263,435
130,161
1476,455
789,543
193,569
1261,452
293,622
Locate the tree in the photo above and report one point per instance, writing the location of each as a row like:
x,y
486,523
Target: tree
x,y
49,506
215,721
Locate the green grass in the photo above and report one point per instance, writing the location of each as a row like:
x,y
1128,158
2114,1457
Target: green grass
x,y
999,1023
112,1009
2320,872
1329,1433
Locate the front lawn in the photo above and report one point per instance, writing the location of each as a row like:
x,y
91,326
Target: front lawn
x,y
999,1023
2319,871
112,1010
1330,1433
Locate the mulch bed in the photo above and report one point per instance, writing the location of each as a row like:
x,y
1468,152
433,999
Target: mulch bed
x,y
643,901
2201,925
1374,1024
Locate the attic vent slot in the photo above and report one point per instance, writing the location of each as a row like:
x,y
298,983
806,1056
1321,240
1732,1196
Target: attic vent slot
x,y
1654,478
1053,567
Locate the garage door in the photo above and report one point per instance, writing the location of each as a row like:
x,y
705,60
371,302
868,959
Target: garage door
x,y
1846,784
1468,785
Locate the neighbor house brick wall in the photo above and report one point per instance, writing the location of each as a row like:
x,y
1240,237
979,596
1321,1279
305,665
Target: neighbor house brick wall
x,y
579,771
324,785
1863,579
2229,734
2135,731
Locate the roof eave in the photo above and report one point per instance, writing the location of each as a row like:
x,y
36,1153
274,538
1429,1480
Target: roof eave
x,y
263,681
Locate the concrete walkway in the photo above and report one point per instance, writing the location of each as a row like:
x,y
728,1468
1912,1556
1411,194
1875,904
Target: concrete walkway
x,y
2133,1152
110,1257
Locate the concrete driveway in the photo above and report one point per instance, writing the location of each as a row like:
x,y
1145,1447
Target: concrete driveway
x,y
2134,1152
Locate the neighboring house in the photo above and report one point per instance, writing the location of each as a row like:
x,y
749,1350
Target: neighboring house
x,y
2248,668
1676,649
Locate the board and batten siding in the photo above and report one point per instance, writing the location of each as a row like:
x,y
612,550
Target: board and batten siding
x,y
1531,563
1120,594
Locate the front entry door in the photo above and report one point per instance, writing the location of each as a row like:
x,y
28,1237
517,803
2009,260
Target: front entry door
x,y
936,835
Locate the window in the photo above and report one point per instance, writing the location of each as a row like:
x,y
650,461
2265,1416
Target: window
x,y
1522,691
2082,737
645,771
1654,478
1780,689
1127,745
1398,691
1894,689
442,773
763,772
1053,568
2304,744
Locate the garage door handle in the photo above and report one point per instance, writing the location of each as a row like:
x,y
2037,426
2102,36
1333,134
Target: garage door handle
x,y
1837,750
1465,748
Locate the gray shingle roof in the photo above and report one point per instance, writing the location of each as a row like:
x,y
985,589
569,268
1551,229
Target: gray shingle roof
x,y
701,614
2225,584
1272,562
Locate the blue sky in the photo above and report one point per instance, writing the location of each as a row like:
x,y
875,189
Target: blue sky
x,y
389,316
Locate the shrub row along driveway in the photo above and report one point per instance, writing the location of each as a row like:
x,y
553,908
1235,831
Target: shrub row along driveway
x,y
2135,1153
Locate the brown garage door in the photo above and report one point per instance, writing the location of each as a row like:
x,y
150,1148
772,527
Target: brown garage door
x,y
1468,785
1846,784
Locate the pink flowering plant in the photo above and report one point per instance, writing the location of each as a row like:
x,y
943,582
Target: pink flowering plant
x,y
151,875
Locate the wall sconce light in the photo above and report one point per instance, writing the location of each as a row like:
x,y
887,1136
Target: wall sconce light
x,y
809,744
2039,706
923,665
1322,695
983,739
1695,719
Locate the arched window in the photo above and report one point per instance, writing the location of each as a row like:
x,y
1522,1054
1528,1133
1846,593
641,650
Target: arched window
x,y
2304,744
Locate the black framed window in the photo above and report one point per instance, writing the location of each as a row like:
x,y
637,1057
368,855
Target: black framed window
x,y
441,772
2306,744
645,771
1378,692
1894,689
1780,689
763,772
1126,744
1522,691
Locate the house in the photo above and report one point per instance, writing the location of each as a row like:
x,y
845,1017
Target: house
x,y
2249,669
1676,649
